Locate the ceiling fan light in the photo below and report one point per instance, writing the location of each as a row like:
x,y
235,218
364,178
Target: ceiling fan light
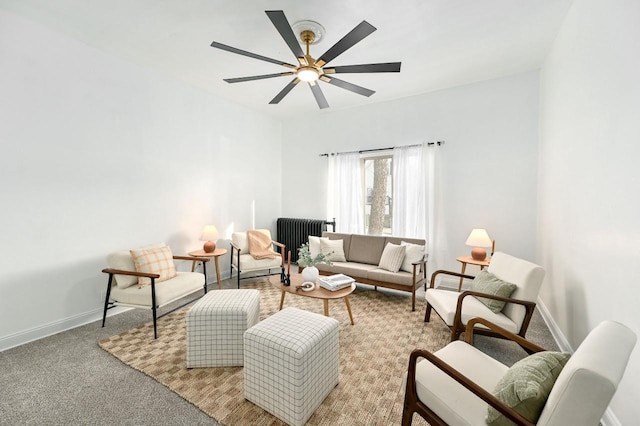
x,y
308,74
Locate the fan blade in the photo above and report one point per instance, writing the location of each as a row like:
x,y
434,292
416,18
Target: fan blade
x,y
284,28
386,67
317,92
249,54
285,91
348,86
256,77
356,35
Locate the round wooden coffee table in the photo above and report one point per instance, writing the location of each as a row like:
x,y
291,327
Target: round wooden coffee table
x,y
316,293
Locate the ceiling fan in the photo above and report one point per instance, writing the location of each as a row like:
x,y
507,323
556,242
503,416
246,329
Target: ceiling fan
x,y
309,69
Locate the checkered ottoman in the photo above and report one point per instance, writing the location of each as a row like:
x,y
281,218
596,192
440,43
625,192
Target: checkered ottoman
x,y
215,325
291,363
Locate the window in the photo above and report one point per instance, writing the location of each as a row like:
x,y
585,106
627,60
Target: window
x,y
378,207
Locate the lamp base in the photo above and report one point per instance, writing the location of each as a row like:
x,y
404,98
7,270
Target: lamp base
x,y
209,247
478,253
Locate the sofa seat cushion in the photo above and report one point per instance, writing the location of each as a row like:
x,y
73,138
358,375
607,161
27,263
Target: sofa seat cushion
x,y
444,302
400,277
449,399
248,263
183,284
352,269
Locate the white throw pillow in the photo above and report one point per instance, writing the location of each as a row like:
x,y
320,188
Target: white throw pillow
x,y
314,245
336,246
413,253
392,257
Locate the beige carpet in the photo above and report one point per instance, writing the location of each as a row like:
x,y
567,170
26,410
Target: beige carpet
x,y
373,358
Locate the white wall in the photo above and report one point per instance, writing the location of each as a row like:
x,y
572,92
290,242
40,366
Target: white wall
x,y
98,155
589,206
489,159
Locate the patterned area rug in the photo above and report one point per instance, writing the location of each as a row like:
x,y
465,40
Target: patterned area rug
x,y
374,354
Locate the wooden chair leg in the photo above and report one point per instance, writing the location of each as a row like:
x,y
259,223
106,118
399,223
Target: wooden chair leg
x,y
455,333
407,416
427,314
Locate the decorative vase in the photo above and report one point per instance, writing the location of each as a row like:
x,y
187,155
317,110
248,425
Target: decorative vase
x,y
310,273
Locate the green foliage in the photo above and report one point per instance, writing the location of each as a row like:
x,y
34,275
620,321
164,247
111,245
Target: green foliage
x,y
305,259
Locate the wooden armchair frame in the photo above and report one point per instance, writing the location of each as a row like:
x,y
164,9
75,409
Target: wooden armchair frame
x,y
413,405
458,327
154,306
238,269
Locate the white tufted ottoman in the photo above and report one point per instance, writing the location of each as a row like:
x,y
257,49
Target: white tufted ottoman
x,y
216,324
291,363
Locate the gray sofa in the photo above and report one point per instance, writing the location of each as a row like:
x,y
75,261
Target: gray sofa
x,y
363,253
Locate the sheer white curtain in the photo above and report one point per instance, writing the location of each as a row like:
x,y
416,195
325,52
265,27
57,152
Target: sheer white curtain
x,y
345,201
409,192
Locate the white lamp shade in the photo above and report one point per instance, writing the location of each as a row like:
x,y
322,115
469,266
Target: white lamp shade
x,y
209,233
479,238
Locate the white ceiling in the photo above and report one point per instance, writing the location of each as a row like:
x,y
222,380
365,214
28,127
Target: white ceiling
x,y
441,43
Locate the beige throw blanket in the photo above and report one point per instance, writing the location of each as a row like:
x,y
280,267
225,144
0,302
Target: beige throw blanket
x,y
260,245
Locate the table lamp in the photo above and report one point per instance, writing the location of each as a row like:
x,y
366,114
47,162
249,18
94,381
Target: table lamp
x,y
479,239
209,234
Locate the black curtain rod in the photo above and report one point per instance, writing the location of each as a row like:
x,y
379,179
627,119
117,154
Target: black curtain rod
x,y
378,149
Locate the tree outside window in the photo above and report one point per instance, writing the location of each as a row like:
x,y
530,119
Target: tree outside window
x,y
378,195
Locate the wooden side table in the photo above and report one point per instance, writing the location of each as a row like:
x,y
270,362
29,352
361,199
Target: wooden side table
x,y
470,260
215,254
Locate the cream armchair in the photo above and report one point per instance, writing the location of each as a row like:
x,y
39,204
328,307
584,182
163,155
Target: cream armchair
x,y
243,263
124,287
455,385
457,308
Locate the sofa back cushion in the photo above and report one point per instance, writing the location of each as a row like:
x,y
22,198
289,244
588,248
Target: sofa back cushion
x,y
366,249
399,240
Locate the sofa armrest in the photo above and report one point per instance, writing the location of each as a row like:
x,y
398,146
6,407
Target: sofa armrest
x,y
525,344
442,271
133,273
529,306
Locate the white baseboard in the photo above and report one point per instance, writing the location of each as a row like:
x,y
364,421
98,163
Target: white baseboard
x,y
608,419
39,332
557,334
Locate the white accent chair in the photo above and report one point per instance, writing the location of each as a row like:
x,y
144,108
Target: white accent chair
x,y
453,385
243,263
456,308
122,288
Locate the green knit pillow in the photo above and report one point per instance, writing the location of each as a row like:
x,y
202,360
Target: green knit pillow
x,y
526,386
486,282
